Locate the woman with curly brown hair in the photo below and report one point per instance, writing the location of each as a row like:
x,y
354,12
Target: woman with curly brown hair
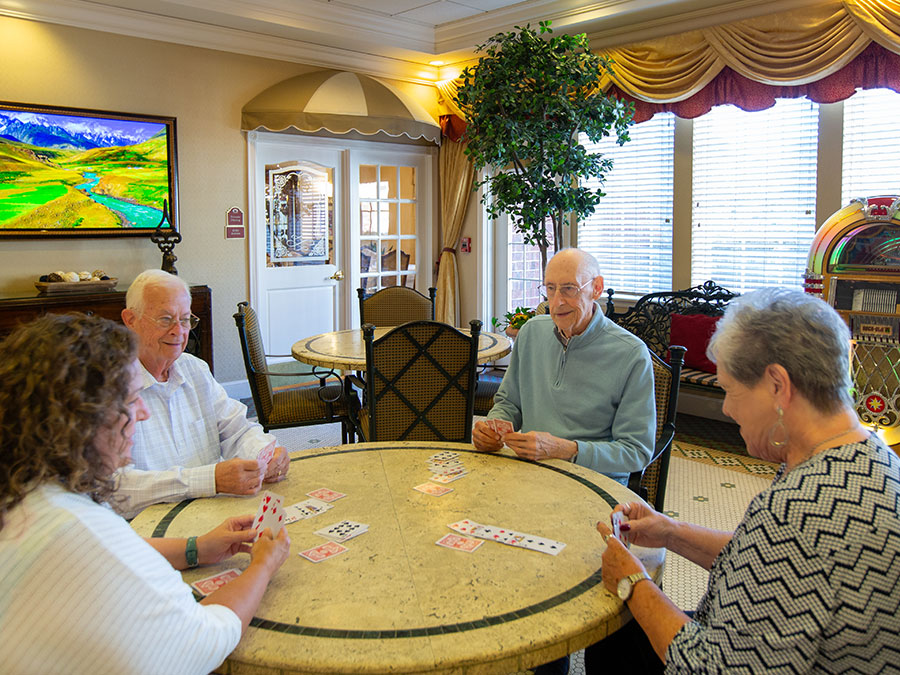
x,y
80,591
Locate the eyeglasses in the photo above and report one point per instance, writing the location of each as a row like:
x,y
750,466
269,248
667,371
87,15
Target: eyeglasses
x,y
566,290
166,322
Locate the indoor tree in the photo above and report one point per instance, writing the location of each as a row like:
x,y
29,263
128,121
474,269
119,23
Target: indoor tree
x,y
525,102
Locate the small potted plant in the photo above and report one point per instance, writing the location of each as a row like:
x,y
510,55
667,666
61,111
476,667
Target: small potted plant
x,y
513,320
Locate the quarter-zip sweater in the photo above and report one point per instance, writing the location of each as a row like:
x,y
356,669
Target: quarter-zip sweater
x,y
597,391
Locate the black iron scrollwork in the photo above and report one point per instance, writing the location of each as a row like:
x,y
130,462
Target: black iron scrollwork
x,y
166,238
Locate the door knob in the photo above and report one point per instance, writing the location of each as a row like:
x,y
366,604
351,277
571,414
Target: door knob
x,y
337,276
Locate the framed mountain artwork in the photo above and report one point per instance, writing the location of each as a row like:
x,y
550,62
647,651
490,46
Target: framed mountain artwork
x,y
85,173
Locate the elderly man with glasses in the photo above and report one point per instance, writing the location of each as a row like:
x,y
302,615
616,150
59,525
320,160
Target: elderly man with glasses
x,y
198,442
578,386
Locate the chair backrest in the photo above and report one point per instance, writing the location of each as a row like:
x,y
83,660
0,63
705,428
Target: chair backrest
x,y
650,318
420,382
650,483
254,360
395,305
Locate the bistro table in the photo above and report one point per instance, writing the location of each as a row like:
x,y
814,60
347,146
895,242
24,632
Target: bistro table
x,y
346,349
395,602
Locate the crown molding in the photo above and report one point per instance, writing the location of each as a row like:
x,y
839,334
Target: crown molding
x,y
104,18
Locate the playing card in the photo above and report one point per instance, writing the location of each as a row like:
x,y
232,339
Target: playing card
x,y
447,477
326,495
269,514
464,526
342,531
503,426
267,453
323,552
311,507
458,543
536,543
207,585
446,455
506,536
617,519
447,470
432,489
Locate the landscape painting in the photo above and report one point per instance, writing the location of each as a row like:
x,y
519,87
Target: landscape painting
x,y
68,172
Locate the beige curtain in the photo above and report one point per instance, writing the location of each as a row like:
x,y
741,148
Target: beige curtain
x,y
456,175
790,48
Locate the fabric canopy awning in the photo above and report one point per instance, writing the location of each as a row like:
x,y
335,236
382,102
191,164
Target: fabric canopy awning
x,y
339,102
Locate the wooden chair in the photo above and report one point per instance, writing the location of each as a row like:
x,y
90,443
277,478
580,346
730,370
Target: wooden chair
x,y
650,483
298,406
395,305
420,383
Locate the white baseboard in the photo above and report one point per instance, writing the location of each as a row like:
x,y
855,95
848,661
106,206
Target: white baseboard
x,y
238,389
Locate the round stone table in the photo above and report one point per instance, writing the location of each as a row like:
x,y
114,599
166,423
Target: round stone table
x,y
397,603
346,349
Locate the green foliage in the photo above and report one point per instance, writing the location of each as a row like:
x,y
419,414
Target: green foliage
x,y
525,102
513,319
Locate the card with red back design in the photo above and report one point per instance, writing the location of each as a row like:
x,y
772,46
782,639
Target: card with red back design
x,y
326,495
459,543
207,585
432,489
502,427
267,453
270,514
323,552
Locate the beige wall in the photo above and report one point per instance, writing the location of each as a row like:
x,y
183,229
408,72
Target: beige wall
x,y
205,90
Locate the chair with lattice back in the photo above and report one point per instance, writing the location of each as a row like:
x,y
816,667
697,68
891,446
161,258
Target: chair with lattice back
x,y
395,305
650,483
323,403
420,383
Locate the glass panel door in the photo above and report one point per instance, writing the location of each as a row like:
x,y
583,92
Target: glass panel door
x,y
388,226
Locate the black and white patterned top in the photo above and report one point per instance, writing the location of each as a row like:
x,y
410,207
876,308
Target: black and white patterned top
x,y
810,581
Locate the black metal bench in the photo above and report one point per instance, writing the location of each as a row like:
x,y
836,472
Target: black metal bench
x,y
650,318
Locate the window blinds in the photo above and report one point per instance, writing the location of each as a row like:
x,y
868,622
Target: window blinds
x,y
754,191
630,232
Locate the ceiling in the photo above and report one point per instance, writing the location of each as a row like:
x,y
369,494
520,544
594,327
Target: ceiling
x,y
393,38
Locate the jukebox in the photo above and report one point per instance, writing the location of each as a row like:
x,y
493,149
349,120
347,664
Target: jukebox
x,y
854,264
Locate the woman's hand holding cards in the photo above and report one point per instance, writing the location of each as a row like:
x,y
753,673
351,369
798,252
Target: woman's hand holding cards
x,y
233,536
271,552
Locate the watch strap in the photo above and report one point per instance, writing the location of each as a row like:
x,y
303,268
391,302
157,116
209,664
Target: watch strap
x,y
190,552
633,580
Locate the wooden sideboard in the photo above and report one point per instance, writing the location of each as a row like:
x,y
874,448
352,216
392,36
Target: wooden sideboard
x,y
16,309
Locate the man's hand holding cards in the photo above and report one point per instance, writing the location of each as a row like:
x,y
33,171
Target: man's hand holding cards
x,y
501,427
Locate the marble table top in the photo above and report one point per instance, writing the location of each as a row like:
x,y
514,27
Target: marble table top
x,y
346,350
395,602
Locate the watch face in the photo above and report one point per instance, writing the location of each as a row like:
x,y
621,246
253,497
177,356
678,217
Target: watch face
x,y
624,589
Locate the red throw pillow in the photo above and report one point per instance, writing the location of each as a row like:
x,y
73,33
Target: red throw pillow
x,y
693,331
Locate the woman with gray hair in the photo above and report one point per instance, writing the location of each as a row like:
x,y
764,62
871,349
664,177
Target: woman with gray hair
x,y
810,579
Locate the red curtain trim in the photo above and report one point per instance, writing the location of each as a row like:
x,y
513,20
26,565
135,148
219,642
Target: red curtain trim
x,y
452,127
874,68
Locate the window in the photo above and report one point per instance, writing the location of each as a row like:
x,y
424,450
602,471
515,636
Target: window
x,y
524,271
753,195
630,232
871,163
388,230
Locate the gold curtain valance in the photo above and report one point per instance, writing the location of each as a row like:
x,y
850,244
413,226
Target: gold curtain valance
x,y
790,48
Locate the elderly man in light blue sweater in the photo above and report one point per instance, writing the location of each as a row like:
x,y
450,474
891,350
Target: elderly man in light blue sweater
x,y
578,386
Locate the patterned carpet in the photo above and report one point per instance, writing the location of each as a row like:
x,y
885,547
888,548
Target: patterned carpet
x,y
711,482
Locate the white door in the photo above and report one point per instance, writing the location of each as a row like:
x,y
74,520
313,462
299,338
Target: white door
x,y
329,216
392,219
297,213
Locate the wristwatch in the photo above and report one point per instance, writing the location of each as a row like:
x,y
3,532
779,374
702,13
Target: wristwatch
x,y
190,552
626,584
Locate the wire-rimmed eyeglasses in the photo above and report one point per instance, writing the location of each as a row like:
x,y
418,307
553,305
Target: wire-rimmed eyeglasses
x,y
166,322
566,290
